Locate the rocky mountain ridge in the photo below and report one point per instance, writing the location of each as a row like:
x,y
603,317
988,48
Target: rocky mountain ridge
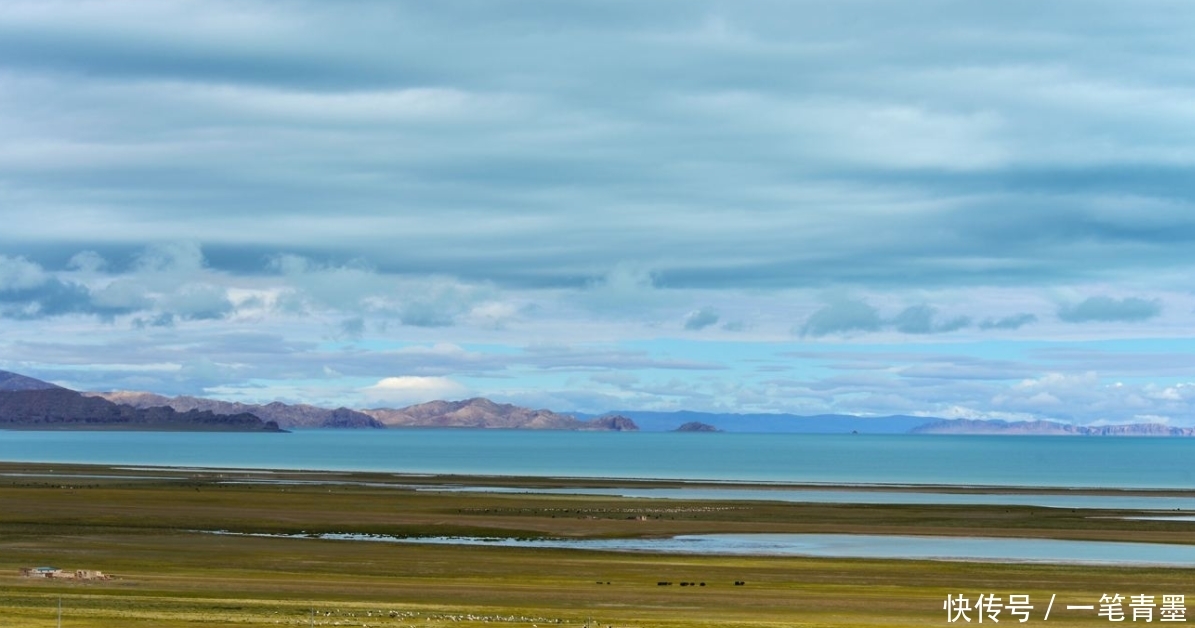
x,y
54,407
610,423
287,416
480,412
473,413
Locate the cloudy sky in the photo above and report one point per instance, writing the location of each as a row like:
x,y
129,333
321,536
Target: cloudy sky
x,y
975,210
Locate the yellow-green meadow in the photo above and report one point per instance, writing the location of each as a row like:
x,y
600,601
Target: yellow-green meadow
x,y
149,531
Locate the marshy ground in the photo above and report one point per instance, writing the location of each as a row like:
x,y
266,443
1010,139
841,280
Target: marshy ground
x,y
143,526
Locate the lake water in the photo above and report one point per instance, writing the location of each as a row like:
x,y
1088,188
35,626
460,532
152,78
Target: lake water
x,y
823,496
1066,462
986,549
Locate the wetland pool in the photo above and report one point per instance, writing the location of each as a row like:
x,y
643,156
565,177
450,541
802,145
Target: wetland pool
x,y
876,546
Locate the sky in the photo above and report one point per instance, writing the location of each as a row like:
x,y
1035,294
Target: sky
x,y
979,210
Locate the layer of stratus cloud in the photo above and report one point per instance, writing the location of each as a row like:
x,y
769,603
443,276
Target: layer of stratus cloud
x,y
588,205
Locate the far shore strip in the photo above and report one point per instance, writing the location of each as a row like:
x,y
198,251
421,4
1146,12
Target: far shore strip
x,y
408,480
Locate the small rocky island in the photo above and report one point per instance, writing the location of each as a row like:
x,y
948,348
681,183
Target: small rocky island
x,y
696,426
610,423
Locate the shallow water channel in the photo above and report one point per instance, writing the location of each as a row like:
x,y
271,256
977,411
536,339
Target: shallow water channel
x,y
982,549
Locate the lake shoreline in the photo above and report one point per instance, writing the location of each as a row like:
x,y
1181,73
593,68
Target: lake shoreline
x,y
431,480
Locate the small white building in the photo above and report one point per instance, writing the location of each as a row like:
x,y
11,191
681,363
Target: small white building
x,y
62,574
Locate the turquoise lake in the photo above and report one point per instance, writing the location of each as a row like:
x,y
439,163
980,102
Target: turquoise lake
x,y
1132,501
997,461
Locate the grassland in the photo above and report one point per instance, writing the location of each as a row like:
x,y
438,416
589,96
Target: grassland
x,y
141,525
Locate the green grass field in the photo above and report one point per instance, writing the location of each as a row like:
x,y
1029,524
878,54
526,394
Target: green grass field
x,y
144,531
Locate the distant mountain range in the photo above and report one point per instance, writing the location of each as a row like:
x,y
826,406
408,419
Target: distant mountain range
x,y
30,403
475,413
787,423
1048,428
685,420
27,403
285,415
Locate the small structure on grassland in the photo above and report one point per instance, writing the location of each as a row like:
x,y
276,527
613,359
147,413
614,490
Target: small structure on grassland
x,y
54,573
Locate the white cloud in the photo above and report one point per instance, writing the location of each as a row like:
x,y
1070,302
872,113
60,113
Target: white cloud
x,y
198,301
493,314
411,389
174,257
18,273
123,294
422,105
866,133
842,316
700,319
625,289
87,261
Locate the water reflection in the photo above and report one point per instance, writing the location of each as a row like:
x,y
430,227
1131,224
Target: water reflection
x,y
982,549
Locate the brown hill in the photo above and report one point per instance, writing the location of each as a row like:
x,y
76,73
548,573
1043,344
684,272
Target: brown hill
x,y
612,423
285,415
60,408
477,412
